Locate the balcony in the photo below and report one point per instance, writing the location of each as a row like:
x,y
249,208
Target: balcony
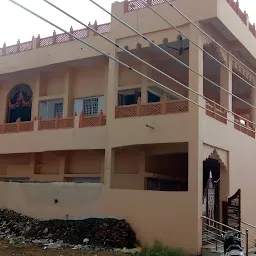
x,y
220,114
163,107
71,133
150,123
215,111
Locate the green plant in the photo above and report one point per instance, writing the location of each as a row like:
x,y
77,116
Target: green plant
x,y
158,249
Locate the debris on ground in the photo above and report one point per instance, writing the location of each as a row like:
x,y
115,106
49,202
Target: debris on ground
x,y
92,233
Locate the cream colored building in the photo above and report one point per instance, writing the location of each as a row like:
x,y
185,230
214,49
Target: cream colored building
x,y
69,114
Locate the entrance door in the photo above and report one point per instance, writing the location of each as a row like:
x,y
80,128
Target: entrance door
x,y
212,166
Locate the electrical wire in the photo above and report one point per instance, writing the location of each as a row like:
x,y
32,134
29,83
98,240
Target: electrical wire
x,y
151,42
167,53
202,49
125,65
190,21
141,60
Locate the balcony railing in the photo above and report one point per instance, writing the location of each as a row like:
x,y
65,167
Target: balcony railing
x,y
54,39
17,127
246,127
133,5
57,123
92,121
215,111
54,124
163,107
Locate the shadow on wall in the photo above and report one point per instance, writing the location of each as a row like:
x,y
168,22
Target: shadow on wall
x,y
52,200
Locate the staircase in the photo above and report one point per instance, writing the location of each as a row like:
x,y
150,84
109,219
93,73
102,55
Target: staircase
x,y
212,237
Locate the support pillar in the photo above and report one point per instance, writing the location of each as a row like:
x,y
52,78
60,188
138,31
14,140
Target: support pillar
x,y
144,88
112,92
195,149
226,83
253,102
67,98
36,95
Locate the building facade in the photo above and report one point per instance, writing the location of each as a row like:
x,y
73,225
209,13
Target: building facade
x,y
69,114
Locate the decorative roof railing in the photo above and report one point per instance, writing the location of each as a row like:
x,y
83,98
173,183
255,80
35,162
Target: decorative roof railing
x,y
129,6
54,39
133,5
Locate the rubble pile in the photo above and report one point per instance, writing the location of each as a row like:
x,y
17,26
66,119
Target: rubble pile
x,y
92,232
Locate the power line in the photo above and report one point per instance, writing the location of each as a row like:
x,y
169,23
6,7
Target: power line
x,y
167,53
151,42
202,49
190,21
124,64
141,60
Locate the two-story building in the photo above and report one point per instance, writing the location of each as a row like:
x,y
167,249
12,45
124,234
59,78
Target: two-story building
x,y
70,114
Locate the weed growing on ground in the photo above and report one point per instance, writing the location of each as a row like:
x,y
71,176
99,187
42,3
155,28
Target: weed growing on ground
x,y
158,249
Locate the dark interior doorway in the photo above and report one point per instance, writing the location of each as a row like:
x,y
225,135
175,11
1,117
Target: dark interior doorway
x,y
213,166
19,104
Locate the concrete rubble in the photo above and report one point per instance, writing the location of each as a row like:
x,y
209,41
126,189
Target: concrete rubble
x,y
89,234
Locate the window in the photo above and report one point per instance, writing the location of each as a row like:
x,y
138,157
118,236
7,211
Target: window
x,y
128,97
58,109
153,97
165,185
89,106
85,180
49,109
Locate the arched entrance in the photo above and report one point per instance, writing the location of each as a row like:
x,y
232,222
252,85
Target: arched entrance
x,y
215,171
19,103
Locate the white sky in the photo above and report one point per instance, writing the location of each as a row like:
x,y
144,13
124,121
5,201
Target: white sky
x,y
18,24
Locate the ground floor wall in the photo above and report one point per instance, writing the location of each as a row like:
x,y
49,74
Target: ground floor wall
x,y
240,159
153,215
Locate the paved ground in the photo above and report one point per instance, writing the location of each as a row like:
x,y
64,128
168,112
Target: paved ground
x,y
7,250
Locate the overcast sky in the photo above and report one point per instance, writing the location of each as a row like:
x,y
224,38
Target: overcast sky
x,y
18,24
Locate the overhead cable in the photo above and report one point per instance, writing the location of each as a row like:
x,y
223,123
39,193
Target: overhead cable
x,y
201,48
223,48
125,65
182,63
141,60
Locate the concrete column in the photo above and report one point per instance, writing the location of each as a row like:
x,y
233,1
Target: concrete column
x,y
253,102
144,88
111,98
36,95
226,83
67,98
195,149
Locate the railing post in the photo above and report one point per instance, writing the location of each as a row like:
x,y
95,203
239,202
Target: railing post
x,y
149,2
18,45
4,49
38,41
56,121
3,128
18,125
247,242
126,6
71,31
164,105
101,118
237,7
95,27
214,110
138,107
81,117
54,37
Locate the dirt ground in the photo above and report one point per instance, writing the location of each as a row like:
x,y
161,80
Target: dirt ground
x,y
8,250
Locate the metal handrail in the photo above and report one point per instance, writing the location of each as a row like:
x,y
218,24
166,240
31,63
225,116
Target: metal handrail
x,y
230,228
223,225
247,224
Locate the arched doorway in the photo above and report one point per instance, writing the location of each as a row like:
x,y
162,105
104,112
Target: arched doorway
x,y
19,103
